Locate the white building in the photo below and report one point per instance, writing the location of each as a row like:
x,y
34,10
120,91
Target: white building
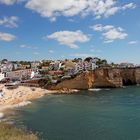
x,y
19,74
127,65
6,67
79,67
32,74
94,66
35,64
35,75
2,76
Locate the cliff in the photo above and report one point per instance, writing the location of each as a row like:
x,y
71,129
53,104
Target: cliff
x,y
128,76
101,78
107,78
137,75
80,82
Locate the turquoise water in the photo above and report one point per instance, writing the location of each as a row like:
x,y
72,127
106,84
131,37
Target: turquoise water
x,y
88,115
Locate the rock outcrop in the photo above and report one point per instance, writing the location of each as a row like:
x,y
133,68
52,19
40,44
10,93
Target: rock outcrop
x,y
128,76
137,75
80,82
101,78
107,78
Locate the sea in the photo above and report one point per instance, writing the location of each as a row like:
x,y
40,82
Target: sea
x,y
95,114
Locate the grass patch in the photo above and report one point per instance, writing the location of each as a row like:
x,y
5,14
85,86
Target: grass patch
x,y
10,132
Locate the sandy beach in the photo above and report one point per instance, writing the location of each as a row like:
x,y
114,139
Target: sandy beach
x,y
20,96
23,95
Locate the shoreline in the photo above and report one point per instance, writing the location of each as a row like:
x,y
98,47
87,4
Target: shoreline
x,y
22,96
19,97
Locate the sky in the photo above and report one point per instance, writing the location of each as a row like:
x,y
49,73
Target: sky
x,y
60,29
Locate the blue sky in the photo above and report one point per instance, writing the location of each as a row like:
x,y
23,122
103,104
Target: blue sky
x,y
59,29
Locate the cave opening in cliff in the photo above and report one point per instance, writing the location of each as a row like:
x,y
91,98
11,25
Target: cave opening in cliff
x,y
127,82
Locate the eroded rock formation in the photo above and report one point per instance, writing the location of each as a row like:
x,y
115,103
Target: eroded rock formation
x,y
107,78
102,78
137,75
80,82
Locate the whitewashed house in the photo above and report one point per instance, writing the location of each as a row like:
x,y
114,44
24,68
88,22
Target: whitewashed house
x,y
2,76
7,67
126,65
35,74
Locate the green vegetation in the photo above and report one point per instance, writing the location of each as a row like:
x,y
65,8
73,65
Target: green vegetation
x,y
25,62
44,82
45,63
101,62
9,132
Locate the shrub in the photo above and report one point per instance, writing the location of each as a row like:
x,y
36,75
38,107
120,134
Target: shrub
x,y
10,132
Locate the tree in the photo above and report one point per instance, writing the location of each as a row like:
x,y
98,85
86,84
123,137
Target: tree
x,y
4,61
101,62
45,63
88,59
24,62
77,59
104,61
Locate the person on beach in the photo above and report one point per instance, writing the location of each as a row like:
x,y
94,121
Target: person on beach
x,y
1,94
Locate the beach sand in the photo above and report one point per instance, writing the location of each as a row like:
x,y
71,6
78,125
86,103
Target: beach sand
x,y
20,96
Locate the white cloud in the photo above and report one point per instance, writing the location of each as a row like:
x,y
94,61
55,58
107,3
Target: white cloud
x,y
9,21
25,46
110,33
83,55
108,41
114,34
133,42
69,38
10,2
54,8
6,37
129,6
28,46
100,27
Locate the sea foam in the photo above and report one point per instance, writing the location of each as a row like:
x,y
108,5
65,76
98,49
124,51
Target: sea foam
x,y
95,89
98,89
22,104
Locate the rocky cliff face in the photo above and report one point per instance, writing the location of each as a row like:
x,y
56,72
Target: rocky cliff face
x,y
128,76
137,75
107,78
101,78
115,77
80,82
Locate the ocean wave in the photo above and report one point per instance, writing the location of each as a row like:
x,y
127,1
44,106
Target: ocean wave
x,y
98,89
95,89
22,104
